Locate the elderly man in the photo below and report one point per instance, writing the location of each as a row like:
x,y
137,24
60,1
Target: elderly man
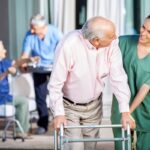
x,y
83,59
41,41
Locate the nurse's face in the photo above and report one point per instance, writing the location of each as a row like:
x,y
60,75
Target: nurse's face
x,y
145,33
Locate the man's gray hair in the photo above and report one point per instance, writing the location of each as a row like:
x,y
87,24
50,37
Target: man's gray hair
x,y
91,33
38,20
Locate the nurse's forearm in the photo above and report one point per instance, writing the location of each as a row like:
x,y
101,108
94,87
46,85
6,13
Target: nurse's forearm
x,y
139,97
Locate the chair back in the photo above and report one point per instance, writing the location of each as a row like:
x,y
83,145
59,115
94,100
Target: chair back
x,y
22,85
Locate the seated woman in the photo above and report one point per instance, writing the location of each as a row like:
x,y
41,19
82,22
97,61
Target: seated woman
x,y
21,104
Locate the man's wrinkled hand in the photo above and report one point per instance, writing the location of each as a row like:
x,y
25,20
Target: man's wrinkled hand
x,y
127,119
58,120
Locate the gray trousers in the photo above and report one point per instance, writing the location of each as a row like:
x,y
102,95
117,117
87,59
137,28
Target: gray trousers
x,y
83,115
22,112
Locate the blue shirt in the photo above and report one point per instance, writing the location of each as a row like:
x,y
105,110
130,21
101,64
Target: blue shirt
x,y
44,48
4,84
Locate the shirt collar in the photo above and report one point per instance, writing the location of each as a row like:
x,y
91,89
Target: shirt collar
x,y
87,43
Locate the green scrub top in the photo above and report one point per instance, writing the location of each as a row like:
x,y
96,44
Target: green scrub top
x,y
138,72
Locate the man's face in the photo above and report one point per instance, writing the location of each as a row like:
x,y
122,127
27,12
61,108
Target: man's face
x,y
106,41
39,31
145,33
2,51
103,42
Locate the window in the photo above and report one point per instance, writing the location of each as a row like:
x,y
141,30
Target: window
x,y
81,11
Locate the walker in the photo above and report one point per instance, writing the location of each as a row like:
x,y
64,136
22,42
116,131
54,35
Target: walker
x,y
62,139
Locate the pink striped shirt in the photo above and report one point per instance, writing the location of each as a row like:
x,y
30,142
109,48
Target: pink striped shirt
x,y
80,69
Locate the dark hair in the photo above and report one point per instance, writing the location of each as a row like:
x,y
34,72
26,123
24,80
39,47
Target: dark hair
x,y
148,17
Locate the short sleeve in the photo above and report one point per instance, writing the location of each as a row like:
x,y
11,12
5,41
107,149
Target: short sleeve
x,y
147,81
144,66
7,63
27,42
57,33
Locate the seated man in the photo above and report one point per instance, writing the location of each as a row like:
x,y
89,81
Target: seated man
x,y
21,104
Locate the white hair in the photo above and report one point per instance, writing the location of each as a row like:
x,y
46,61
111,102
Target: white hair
x,y
38,20
91,33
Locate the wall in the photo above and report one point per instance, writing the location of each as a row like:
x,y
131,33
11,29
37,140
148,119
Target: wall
x,y
4,25
20,12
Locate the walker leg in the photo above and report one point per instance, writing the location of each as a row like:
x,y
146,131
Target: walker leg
x,y
61,137
55,140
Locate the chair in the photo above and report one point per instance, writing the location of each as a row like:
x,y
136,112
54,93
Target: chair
x,y
22,85
25,81
7,112
19,86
